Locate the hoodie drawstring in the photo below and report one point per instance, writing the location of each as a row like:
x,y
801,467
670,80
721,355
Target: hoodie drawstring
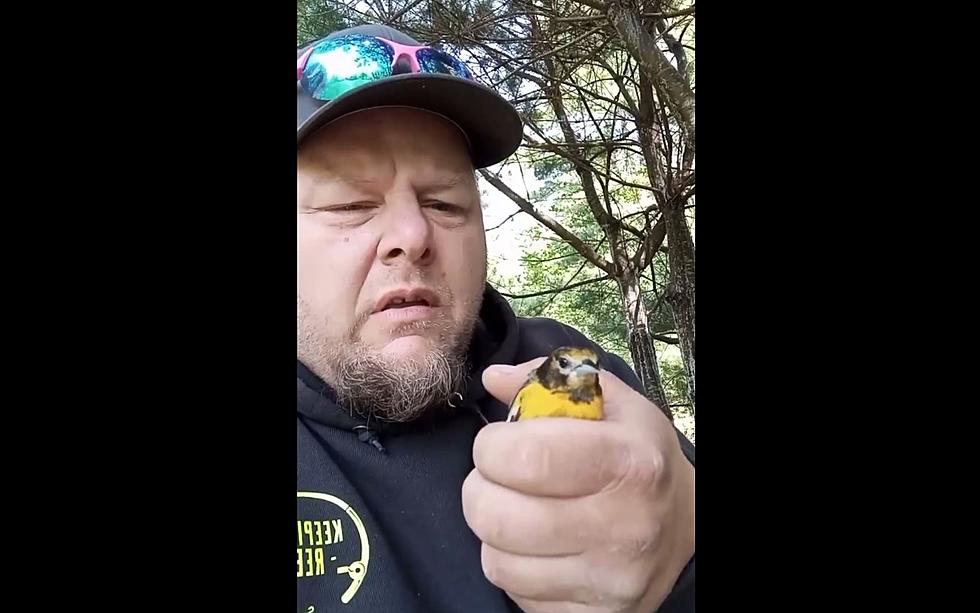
x,y
369,436
470,406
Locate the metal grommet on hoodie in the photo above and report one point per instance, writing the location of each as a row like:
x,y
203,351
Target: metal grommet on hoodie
x,y
369,436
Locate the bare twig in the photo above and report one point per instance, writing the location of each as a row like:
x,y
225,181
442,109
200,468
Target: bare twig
x,y
681,13
402,12
651,244
547,221
550,53
641,45
555,291
551,259
558,149
576,18
595,4
365,16
555,295
509,217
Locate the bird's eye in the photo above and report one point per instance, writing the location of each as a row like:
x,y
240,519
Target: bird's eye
x,y
563,362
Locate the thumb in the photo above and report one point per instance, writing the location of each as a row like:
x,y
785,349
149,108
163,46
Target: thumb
x,y
503,381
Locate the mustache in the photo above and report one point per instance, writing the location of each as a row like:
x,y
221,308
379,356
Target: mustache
x,y
445,302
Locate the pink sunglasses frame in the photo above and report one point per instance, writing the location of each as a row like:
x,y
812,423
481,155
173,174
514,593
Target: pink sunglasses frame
x,y
398,48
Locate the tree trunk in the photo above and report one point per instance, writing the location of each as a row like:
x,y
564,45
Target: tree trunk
x,y
643,47
650,140
641,345
680,248
680,289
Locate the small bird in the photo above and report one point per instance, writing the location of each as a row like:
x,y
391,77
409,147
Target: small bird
x,y
565,385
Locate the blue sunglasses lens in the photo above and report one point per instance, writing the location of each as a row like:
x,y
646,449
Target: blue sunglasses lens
x,y
338,65
432,60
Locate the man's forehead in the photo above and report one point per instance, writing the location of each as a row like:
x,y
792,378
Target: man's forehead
x,y
356,151
358,176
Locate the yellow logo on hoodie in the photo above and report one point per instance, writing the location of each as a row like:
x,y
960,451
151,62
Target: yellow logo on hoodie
x,y
324,541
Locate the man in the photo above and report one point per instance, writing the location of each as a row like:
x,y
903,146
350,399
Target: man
x,y
412,496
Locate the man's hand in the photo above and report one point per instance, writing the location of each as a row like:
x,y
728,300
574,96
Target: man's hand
x,y
578,515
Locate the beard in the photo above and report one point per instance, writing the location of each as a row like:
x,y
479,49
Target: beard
x,y
381,387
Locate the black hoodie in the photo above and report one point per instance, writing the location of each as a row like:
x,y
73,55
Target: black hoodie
x,y
380,521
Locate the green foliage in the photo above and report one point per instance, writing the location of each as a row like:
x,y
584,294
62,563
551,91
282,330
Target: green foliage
x,y
315,19
674,379
550,166
595,309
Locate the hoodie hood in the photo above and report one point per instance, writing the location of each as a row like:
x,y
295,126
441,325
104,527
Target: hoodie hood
x,y
495,341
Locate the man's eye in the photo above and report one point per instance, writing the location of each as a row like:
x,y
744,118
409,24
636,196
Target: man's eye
x,y
353,207
443,207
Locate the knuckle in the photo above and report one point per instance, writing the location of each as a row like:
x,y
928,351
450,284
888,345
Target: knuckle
x,y
481,525
638,544
469,496
648,469
532,460
493,569
487,444
639,537
478,510
613,458
486,522
630,585
494,529
654,531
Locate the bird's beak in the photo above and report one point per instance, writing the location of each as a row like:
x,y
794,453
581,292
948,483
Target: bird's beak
x,y
586,369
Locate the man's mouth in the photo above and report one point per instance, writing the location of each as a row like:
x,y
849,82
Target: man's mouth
x,y
401,303
404,298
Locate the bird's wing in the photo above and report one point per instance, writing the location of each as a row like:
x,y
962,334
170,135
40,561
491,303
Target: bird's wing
x,y
515,407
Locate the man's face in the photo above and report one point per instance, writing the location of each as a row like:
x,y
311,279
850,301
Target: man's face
x,y
391,247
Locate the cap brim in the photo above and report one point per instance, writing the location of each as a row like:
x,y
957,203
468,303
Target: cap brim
x,y
491,124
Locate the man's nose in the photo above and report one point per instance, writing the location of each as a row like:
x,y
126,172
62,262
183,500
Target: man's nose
x,y
407,234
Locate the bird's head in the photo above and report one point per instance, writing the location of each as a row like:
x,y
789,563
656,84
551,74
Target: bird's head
x,y
573,365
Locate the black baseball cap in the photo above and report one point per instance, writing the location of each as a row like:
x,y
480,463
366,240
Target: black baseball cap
x,y
490,123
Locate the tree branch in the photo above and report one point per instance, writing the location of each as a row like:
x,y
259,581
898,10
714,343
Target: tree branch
x,y
503,59
664,339
509,217
549,53
553,296
547,221
400,13
363,15
547,145
551,259
379,9
556,291
687,11
651,244
595,4
622,86
658,68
